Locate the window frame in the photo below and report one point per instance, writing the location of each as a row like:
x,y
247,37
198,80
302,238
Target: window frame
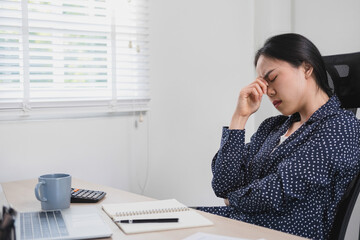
x,y
113,105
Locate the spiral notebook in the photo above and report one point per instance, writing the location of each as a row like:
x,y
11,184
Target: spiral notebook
x,y
152,210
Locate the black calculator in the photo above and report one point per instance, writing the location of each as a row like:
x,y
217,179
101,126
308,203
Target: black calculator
x,y
86,196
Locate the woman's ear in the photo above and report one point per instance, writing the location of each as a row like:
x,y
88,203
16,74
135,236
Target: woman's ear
x,y
308,69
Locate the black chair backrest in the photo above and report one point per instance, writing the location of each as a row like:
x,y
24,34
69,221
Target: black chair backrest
x,y
345,210
344,77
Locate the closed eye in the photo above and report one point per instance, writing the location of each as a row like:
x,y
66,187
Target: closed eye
x,y
273,78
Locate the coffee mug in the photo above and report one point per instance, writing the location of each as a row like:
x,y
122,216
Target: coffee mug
x,y
54,191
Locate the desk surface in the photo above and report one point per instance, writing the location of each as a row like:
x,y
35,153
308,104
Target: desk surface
x,y
20,195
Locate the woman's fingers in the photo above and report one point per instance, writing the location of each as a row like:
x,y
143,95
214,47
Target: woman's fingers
x,y
256,93
250,97
263,84
257,89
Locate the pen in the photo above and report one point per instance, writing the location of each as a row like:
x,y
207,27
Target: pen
x,y
157,220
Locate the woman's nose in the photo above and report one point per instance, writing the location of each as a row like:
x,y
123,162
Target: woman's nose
x,y
271,91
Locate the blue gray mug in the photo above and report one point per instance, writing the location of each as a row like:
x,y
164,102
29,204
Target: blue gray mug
x,y
54,191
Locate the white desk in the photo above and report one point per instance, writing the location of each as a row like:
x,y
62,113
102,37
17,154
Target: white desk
x,y
20,195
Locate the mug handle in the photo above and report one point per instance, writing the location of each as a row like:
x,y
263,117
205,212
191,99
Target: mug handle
x,y
37,194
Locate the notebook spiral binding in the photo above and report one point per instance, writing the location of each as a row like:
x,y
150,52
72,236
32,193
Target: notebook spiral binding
x,y
151,211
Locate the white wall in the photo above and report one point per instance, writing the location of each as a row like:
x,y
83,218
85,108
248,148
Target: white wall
x,y
200,58
334,26
99,149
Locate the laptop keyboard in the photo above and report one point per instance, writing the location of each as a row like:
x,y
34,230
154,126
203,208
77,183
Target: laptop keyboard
x,y
42,225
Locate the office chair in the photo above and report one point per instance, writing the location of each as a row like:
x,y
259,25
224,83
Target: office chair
x,y
345,209
344,78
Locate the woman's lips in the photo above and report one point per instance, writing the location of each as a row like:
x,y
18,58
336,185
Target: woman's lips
x,y
276,103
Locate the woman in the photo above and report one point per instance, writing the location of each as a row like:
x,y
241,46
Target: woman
x,y
293,173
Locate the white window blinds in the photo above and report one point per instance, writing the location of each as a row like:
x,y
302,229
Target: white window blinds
x,y
73,54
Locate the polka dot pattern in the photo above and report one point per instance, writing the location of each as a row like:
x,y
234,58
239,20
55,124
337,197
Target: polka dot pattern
x,y
293,187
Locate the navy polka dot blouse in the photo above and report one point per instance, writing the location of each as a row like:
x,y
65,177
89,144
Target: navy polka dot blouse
x,y
293,187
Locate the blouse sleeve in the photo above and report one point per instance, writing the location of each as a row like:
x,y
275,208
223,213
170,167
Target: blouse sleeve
x,y
229,175
230,164
332,150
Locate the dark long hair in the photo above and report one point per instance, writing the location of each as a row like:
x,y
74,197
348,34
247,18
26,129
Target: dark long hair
x,y
296,49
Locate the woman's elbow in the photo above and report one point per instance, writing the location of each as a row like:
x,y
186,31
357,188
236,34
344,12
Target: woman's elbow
x,y
219,190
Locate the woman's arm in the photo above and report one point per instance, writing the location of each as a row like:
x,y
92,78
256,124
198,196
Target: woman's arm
x,y
248,102
230,166
233,148
229,163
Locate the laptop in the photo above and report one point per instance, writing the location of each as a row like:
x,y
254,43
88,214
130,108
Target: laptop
x,y
80,222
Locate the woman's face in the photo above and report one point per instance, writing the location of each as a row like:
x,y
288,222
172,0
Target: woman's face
x,y
287,84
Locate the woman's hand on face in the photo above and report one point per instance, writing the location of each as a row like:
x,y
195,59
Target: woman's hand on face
x,y
250,97
248,102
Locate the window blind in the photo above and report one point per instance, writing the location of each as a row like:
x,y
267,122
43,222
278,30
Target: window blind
x,y
73,54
